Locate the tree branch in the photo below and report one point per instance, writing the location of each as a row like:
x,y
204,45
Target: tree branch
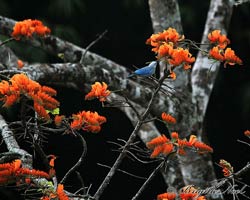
x,y
165,14
12,144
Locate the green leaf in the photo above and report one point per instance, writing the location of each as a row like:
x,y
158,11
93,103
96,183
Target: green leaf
x,y
56,111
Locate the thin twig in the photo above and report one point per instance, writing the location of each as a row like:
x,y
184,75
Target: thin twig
x,y
120,170
78,163
149,120
6,41
91,44
145,184
133,108
83,188
243,142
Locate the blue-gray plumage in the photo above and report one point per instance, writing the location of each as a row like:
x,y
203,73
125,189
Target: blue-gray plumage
x,y
145,71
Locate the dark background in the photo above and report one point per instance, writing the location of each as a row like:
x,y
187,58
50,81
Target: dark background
x,y
128,24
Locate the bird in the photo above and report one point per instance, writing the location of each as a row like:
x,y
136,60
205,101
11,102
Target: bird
x,y
145,71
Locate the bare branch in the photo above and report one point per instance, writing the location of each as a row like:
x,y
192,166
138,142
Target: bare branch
x,y
92,44
152,175
132,137
79,162
12,144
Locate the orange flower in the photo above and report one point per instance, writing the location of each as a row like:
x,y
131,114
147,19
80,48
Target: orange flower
x,y
167,148
157,151
227,169
181,56
88,121
221,40
32,172
217,54
172,75
168,118
231,58
160,145
174,135
187,66
60,192
98,91
201,147
58,119
20,64
165,50
183,143
157,141
166,196
181,152
52,160
192,139
247,133
27,28
11,99
164,149
41,111
48,90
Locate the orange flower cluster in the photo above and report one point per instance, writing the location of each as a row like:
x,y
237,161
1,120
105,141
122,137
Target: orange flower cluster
x,y
168,118
27,28
160,145
218,39
227,169
167,36
98,91
59,194
88,121
13,172
165,45
219,51
20,84
200,147
163,145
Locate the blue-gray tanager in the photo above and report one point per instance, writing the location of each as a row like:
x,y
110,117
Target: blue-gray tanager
x,y
145,71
